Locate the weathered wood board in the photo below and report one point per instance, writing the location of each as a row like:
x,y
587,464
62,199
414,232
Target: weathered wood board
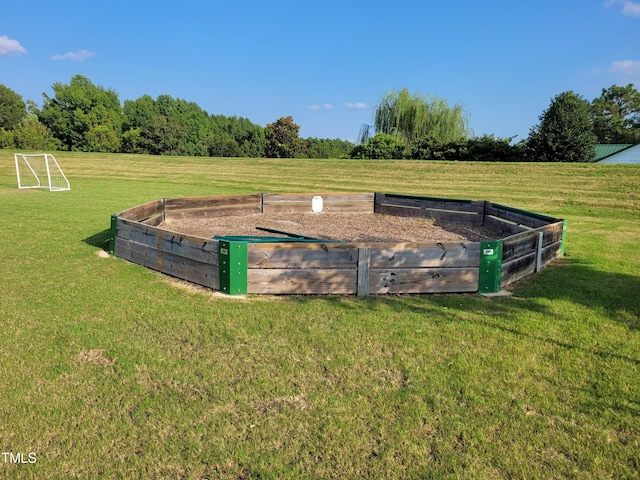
x,y
407,255
423,280
142,212
177,266
302,255
519,217
332,202
452,211
206,207
288,281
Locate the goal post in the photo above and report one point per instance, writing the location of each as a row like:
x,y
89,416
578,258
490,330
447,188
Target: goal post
x,y
40,170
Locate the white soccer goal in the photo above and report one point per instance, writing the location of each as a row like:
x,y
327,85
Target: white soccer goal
x,y
40,170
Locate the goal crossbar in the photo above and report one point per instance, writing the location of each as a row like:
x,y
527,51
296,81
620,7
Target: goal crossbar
x,y
40,170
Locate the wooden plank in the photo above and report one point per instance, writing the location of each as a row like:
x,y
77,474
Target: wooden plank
x,y
226,211
519,245
407,255
195,248
550,253
155,220
332,202
431,203
522,266
502,227
520,217
517,268
142,212
174,265
468,218
364,265
195,203
423,280
302,255
296,282
552,233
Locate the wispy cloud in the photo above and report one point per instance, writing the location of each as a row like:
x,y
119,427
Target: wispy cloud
x,y
326,106
79,56
355,105
8,46
627,67
629,7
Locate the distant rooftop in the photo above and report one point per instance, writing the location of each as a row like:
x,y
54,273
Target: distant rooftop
x,y
604,150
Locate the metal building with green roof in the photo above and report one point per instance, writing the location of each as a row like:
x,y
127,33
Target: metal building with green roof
x,y
617,153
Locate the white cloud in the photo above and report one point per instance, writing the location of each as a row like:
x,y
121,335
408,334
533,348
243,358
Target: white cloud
x,y
326,106
629,7
9,46
355,105
79,56
626,67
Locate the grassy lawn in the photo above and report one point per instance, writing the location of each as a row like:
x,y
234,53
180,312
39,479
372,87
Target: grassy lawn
x,y
110,370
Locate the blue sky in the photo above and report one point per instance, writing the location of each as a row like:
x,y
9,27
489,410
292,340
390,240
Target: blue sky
x,y
328,63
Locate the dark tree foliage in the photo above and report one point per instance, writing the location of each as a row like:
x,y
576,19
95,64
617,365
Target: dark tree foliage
x,y
282,140
380,146
235,137
12,109
616,115
327,148
565,132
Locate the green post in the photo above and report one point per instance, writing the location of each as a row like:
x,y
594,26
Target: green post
x,y
114,232
564,237
232,267
490,267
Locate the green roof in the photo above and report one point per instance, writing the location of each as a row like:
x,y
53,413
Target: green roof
x,y
604,150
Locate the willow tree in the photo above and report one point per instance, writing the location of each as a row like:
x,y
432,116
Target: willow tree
x,y
410,117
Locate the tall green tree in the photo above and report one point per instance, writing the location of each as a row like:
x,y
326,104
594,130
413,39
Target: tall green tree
x,y
565,132
81,115
616,115
282,139
12,109
31,134
410,117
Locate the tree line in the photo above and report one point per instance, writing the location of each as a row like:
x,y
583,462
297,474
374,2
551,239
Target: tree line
x,y
423,127
81,116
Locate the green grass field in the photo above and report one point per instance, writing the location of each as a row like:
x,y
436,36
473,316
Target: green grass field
x,y
110,370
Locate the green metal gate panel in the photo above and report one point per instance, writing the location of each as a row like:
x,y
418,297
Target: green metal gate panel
x,y
490,267
233,267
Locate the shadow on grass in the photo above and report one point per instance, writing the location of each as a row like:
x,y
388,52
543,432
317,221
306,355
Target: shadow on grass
x,y
615,296
99,240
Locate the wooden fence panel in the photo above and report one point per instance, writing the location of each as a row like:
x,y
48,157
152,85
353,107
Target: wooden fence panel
x,y
142,212
202,207
302,255
174,265
294,281
402,255
444,210
519,245
423,280
195,248
502,227
518,268
332,202
520,217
